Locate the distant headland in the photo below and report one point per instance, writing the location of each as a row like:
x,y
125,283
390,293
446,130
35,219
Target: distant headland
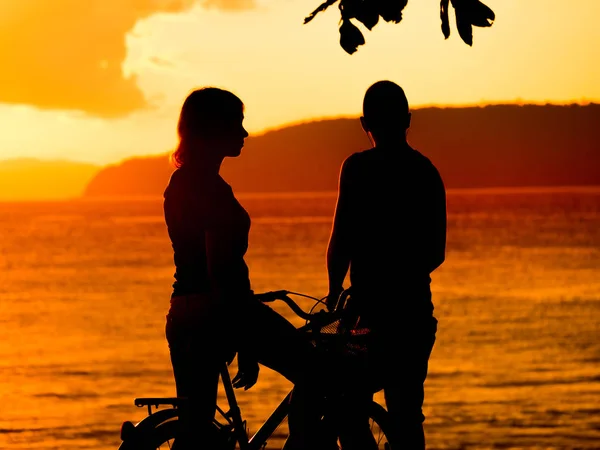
x,y
474,147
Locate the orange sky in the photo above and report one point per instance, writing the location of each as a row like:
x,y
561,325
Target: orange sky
x,y
100,81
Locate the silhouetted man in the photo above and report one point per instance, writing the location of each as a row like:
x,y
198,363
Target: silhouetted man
x,y
389,231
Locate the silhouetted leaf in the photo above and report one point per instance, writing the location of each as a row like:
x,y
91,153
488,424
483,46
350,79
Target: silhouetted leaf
x,y
349,8
391,10
468,13
367,14
464,27
321,7
480,14
444,5
350,37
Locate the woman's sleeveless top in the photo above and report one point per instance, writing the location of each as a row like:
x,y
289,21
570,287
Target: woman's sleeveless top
x,y
197,206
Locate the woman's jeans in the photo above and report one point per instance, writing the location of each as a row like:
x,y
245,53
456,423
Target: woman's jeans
x,y
203,335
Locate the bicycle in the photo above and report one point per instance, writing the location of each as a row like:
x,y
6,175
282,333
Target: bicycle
x,y
158,429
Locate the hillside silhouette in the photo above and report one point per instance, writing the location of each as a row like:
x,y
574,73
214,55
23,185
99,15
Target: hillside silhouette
x,y
473,147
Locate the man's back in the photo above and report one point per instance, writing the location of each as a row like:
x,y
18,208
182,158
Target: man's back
x,y
396,207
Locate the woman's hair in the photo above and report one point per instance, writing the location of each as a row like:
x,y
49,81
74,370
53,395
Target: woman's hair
x,y
205,112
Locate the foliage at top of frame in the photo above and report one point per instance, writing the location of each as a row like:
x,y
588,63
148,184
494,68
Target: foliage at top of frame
x,y
468,13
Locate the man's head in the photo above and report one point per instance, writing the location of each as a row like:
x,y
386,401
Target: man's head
x,y
386,113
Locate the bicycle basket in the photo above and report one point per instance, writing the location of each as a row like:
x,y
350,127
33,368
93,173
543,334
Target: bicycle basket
x,y
340,336
346,346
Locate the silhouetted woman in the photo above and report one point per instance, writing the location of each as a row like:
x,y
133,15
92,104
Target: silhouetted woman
x,y
213,312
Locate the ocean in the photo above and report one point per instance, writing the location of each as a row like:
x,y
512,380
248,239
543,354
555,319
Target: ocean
x,y
85,285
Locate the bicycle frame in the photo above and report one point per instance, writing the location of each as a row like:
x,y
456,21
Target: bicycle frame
x,y
233,417
259,438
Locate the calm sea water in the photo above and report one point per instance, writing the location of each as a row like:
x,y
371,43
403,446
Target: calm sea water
x,y
84,287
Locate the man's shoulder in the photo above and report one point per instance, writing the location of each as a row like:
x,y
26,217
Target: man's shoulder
x,y
419,156
410,157
424,161
360,154
358,157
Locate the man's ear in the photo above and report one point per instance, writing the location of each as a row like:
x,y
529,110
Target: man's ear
x,y
363,122
408,120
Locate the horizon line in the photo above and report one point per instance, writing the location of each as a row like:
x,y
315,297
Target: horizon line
x,y
509,190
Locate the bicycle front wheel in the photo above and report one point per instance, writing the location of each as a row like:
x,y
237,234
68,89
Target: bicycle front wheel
x,y
381,426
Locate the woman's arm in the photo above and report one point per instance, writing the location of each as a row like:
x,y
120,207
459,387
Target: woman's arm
x,y
229,278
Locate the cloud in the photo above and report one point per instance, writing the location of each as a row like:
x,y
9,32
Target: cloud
x,y
67,54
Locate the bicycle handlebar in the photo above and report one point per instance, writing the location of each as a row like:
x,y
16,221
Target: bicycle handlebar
x,y
271,296
283,295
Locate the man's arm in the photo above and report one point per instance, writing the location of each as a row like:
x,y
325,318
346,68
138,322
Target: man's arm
x,y
338,249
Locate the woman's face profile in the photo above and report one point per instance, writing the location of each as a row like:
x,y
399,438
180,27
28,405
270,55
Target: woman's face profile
x,y
233,136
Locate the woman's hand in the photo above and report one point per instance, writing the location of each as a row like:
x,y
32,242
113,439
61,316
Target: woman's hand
x,y
247,374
